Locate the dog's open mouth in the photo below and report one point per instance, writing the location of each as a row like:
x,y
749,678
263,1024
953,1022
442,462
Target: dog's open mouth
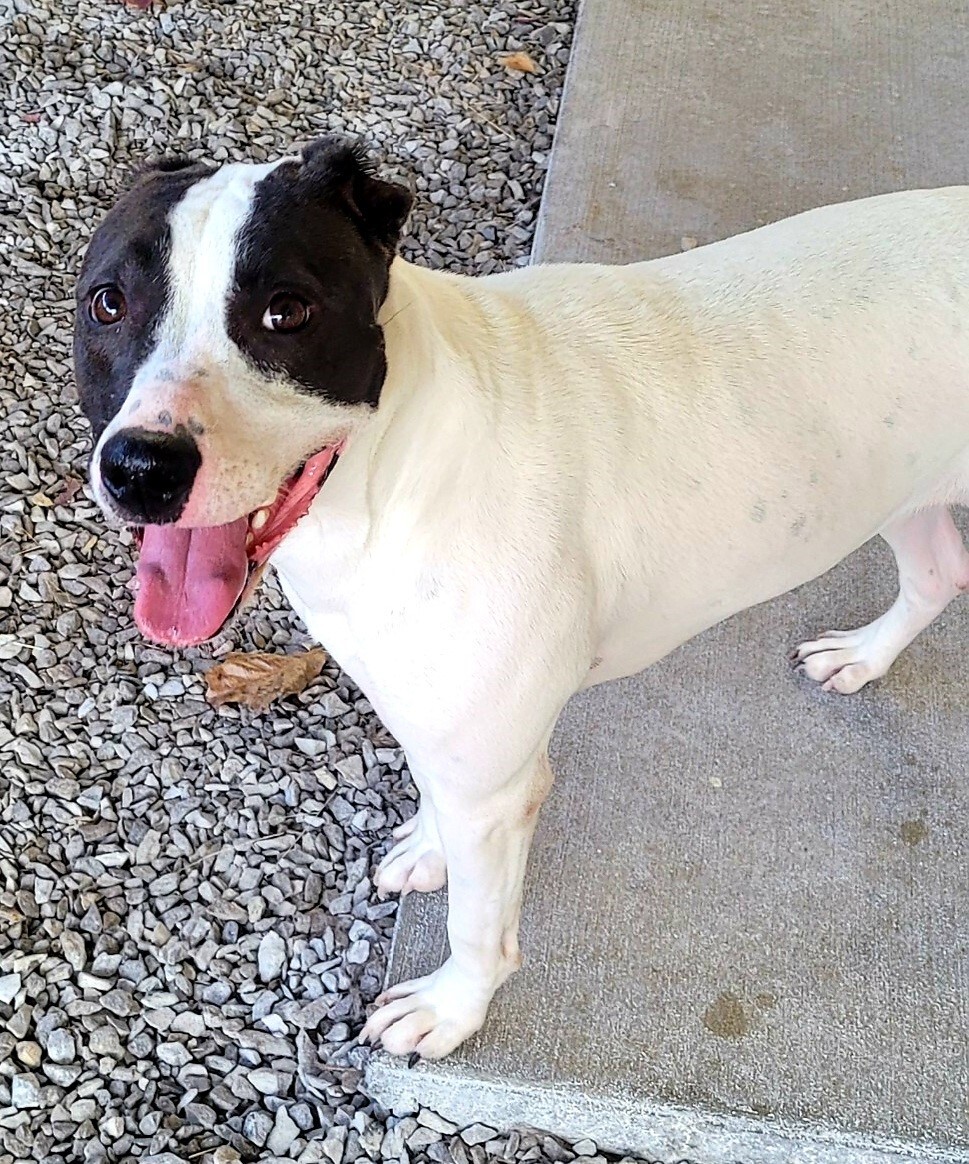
x,y
191,581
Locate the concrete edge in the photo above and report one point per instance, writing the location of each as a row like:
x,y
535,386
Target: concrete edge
x,y
661,1132
537,254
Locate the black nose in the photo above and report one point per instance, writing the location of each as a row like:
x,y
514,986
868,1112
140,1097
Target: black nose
x,y
150,474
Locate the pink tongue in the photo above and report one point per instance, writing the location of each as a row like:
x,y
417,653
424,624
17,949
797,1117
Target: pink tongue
x,y
189,580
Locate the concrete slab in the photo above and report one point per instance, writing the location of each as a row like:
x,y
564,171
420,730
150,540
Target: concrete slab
x,y
747,917
703,118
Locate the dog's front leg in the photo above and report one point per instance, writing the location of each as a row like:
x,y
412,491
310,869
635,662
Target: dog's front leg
x,y
486,840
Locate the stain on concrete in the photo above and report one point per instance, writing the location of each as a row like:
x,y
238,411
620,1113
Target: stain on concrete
x,y
767,1000
913,832
726,1018
759,511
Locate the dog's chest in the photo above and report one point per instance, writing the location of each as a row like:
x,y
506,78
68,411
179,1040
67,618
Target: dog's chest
x,y
322,573
367,603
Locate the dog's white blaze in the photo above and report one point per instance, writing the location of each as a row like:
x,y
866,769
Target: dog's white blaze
x,y
204,227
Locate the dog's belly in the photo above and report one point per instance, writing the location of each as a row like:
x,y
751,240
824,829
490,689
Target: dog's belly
x,y
780,525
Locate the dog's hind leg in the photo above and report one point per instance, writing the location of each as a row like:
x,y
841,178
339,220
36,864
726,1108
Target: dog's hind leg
x,y
417,860
933,568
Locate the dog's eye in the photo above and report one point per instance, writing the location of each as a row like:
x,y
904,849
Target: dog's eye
x,y
286,312
108,305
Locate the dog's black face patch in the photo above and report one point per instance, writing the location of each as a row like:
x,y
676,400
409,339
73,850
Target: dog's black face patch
x,y
128,254
311,272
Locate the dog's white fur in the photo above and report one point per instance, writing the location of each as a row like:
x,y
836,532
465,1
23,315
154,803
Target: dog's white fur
x,y
573,469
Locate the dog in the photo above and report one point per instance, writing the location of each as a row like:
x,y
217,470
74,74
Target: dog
x,y
486,494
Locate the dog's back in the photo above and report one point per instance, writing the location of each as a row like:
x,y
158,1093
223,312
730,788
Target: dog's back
x,y
743,390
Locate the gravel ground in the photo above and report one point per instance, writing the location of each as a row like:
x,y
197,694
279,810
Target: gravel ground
x,y
190,933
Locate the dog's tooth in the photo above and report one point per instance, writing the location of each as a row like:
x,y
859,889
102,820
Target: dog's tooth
x,y
250,541
259,518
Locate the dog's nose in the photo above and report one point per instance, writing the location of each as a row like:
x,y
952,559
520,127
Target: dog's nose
x,y
149,475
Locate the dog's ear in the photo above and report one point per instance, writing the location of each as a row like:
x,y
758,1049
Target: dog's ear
x,y
165,164
340,167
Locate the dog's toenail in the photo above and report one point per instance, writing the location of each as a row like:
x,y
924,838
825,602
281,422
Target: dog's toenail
x,y
413,1059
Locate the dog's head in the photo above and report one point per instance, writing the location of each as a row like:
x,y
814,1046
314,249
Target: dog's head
x,y
226,347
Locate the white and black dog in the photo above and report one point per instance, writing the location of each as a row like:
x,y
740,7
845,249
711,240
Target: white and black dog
x,y
483,495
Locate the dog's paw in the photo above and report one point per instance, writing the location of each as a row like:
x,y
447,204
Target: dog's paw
x,y
429,1015
415,862
843,661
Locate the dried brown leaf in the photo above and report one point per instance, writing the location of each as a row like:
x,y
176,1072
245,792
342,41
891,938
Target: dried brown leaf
x,y
519,62
68,491
256,678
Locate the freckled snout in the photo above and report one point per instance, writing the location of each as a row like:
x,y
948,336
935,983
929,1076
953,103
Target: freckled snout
x,y
149,475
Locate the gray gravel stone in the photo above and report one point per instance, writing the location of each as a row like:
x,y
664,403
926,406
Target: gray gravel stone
x,y
60,1046
284,1133
257,1126
72,946
64,1075
272,956
9,987
477,1134
393,1143
267,1082
120,1003
25,1091
174,1054
104,1041
302,1115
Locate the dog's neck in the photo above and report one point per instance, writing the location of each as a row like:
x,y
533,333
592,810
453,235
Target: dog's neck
x,y
426,319
431,405
437,398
